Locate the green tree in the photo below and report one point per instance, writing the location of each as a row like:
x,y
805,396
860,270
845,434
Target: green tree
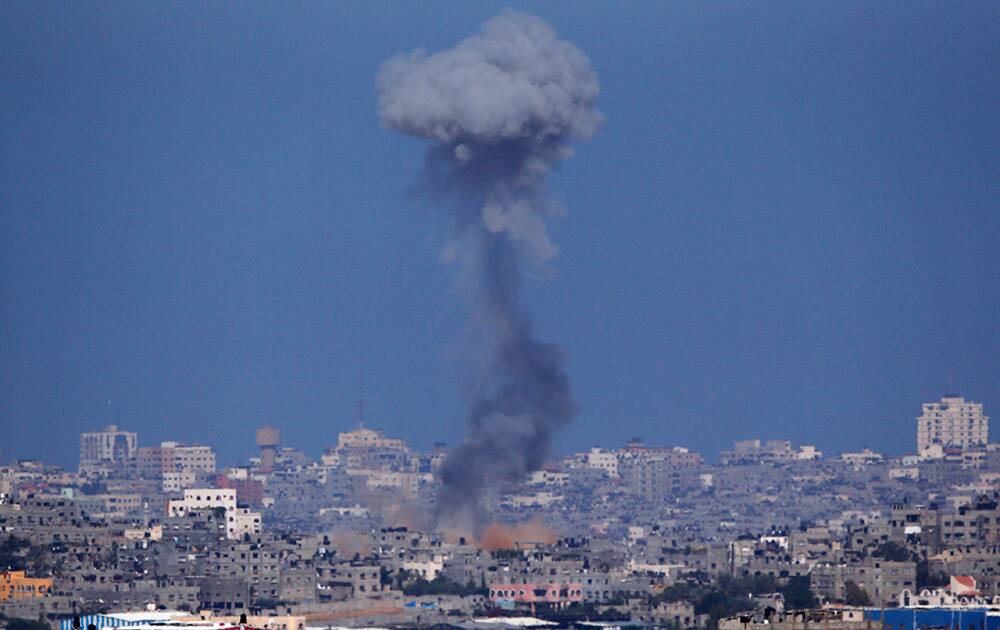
x,y
12,552
928,579
679,591
743,586
798,594
893,552
854,595
440,586
717,604
37,559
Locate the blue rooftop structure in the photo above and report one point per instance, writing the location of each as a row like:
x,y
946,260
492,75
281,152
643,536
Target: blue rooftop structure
x,y
937,618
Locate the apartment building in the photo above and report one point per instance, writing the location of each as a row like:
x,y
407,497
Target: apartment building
x,y
203,499
103,451
177,466
239,521
883,580
952,422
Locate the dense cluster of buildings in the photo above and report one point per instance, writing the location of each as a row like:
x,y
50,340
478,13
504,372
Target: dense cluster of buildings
x,y
638,531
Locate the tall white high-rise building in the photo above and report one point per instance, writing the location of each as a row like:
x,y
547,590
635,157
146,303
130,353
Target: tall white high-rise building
x,y
952,422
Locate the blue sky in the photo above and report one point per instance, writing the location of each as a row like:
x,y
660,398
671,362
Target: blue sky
x,y
787,226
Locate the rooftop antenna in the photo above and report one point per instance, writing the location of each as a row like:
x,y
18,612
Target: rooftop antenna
x,y
361,413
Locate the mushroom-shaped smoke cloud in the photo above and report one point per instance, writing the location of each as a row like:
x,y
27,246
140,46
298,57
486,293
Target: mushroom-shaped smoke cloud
x,y
502,108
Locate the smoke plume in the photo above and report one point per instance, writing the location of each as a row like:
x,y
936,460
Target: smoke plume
x,y
502,108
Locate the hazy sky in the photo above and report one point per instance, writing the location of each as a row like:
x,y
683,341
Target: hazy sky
x,y
787,227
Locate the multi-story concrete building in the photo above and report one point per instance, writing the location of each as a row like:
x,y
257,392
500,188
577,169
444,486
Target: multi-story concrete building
x,y
658,475
178,466
368,438
366,449
952,422
103,451
882,580
203,499
239,521
353,579
249,489
975,524
111,504
242,522
194,457
604,460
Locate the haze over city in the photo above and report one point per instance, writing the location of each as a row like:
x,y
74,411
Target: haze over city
x,y
784,227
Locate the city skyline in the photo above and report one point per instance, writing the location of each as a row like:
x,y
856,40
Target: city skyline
x,y
273,437
236,450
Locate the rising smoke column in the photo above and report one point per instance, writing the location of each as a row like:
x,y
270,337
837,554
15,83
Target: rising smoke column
x,y
502,108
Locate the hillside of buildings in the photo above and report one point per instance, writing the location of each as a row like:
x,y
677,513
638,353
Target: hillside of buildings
x,y
767,530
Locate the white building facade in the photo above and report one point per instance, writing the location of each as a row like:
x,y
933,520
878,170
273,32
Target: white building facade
x,y
239,521
203,499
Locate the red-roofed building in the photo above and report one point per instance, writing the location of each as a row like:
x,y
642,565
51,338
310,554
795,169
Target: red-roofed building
x,y
963,585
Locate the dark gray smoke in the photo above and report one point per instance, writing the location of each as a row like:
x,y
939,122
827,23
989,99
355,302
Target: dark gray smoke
x,y
502,107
